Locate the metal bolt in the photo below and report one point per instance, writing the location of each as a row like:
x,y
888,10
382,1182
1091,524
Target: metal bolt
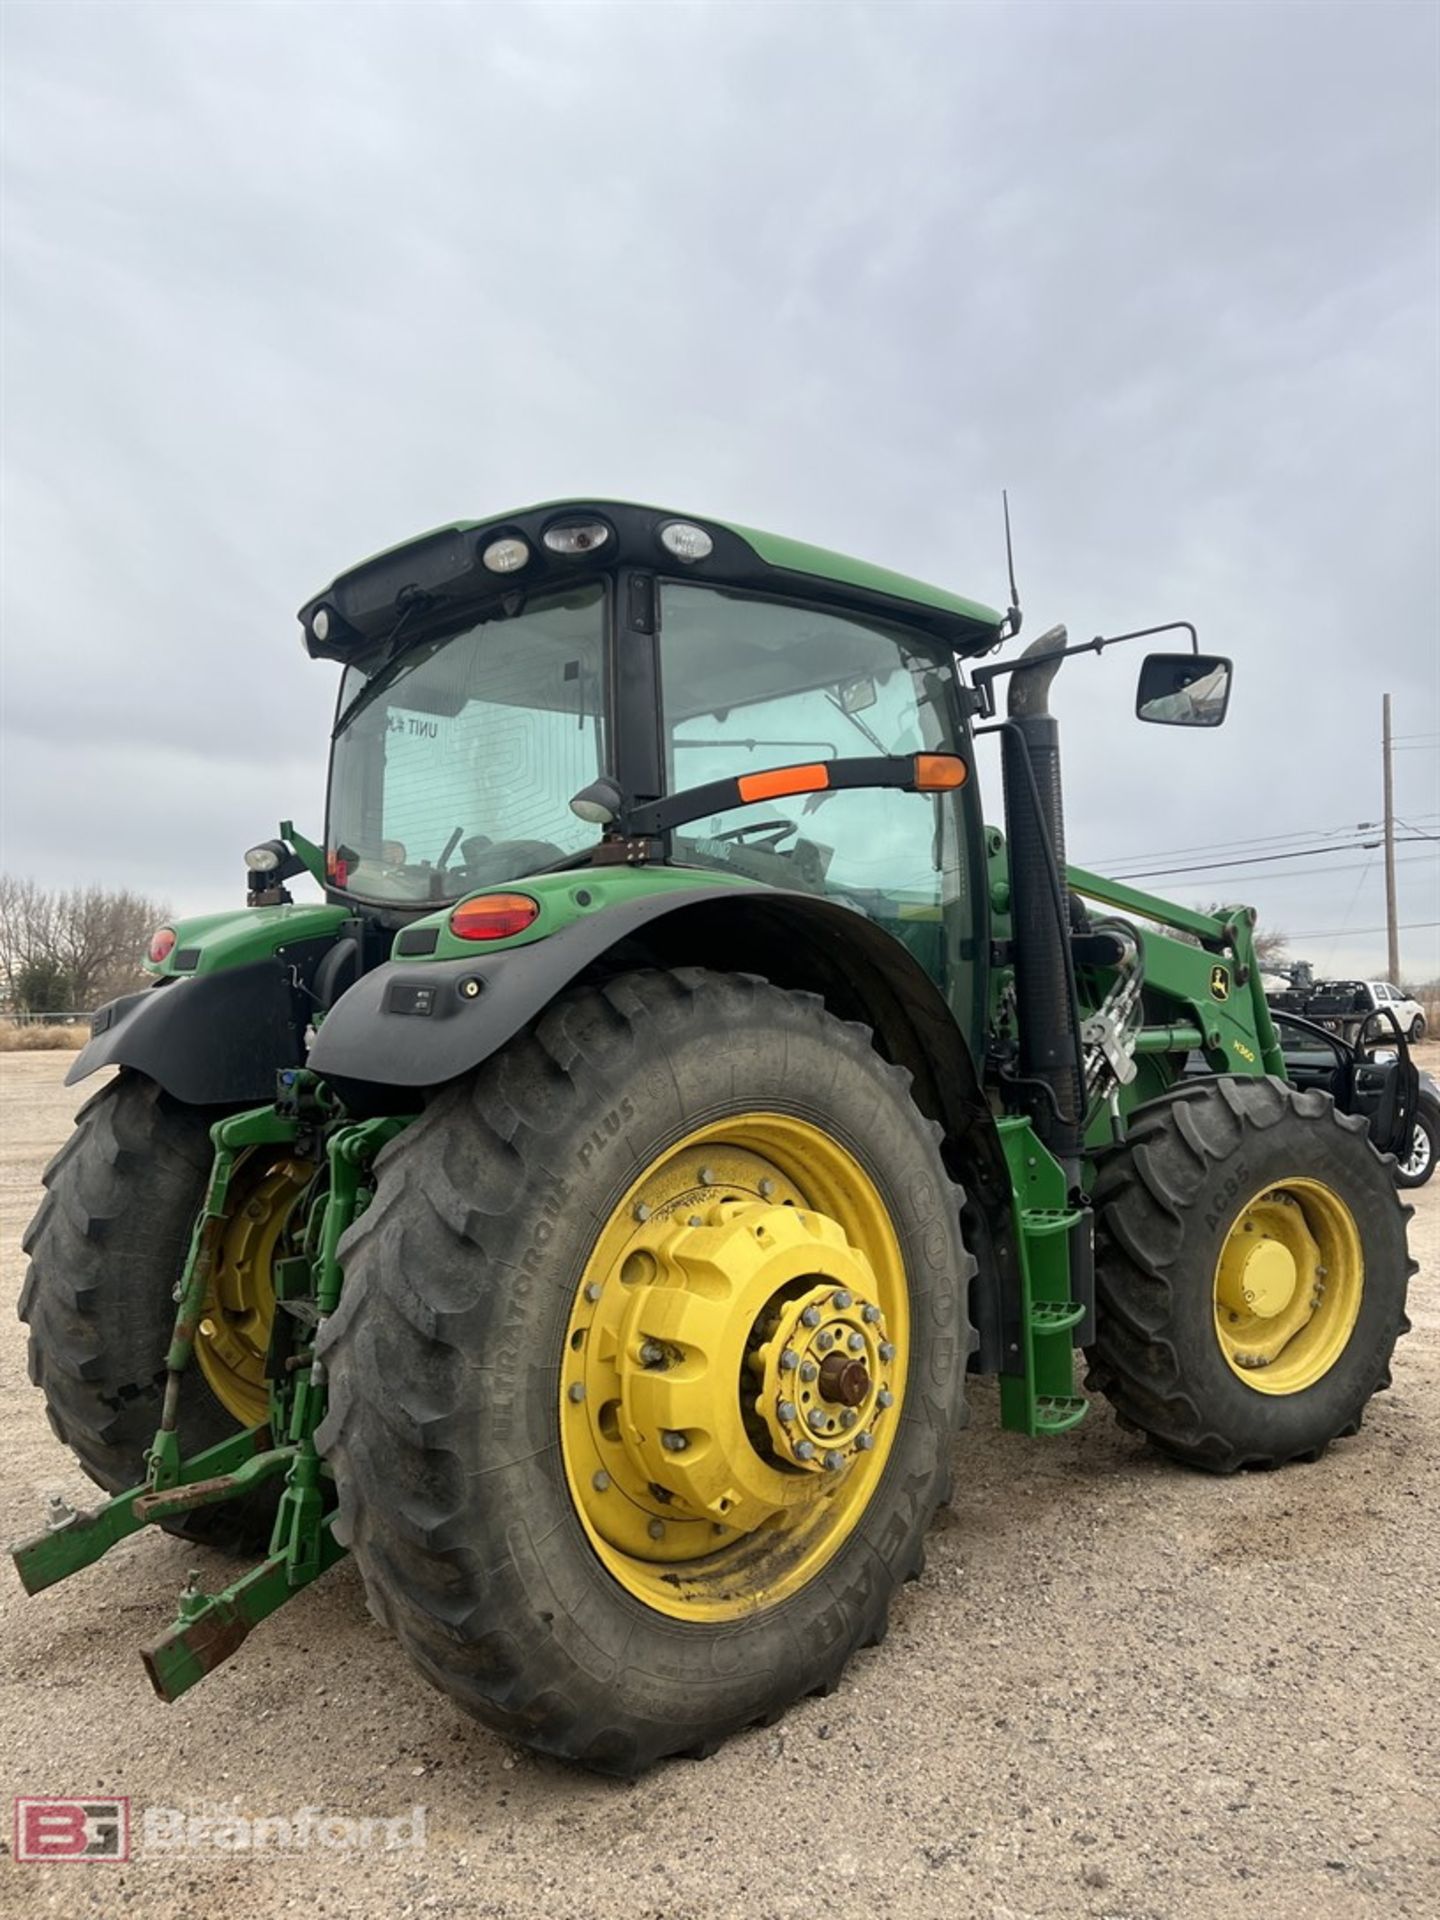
x,y
1321,1272
577,1391
207,1329
58,1513
695,1220
656,1529
767,1189
810,1317
674,1442
884,1398
651,1353
864,1441
870,1314
789,1360
841,1299
786,1410
887,1350
856,1343
593,1291
834,1461
804,1449
824,1341
809,1371
707,1177
849,1417
600,1481
640,1210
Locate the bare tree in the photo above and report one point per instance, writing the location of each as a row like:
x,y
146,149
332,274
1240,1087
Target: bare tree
x,y
82,945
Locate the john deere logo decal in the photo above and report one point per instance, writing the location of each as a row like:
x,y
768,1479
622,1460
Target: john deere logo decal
x,y
1220,982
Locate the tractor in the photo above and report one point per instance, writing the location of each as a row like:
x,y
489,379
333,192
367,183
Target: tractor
x,y
590,1214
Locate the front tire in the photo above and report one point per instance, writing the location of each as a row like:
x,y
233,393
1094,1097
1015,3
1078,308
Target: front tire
x,y
1417,1029
1251,1274
559,1371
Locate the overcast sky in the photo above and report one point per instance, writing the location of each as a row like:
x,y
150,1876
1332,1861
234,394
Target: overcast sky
x,y
288,283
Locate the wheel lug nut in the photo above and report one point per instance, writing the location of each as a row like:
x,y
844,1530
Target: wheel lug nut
x,y
884,1398
695,1220
707,1177
804,1449
651,1353
870,1314
789,1360
887,1350
674,1442
841,1299
856,1343
817,1420
810,1317
809,1371
786,1410
824,1341
864,1441
849,1417
640,1210
656,1529
834,1461
593,1291
767,1189
577,1391
600,1481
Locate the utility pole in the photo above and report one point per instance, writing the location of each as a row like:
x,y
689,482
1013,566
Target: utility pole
x,y
1392,918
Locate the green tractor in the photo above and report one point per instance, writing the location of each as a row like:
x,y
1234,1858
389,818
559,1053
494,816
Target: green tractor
x,y
589,1216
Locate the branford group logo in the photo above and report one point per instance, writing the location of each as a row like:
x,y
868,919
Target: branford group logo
x,y
89,1829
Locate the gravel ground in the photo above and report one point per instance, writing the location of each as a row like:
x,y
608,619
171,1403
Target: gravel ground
x,y
1119,1690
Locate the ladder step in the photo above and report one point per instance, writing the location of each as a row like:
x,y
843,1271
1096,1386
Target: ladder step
x,y
1059,1412
1055,1316
1038,1222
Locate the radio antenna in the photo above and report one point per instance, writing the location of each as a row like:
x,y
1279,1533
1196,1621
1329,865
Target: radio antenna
x,y
1013,616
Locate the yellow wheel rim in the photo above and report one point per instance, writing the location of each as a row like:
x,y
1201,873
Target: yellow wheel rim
x,y
233,1338
1288,1286
734,1368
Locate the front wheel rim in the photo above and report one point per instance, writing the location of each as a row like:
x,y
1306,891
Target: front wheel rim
x,y
1288,1286
734,1367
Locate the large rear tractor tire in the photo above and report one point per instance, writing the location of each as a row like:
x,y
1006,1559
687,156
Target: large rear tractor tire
x,y
106,1249
647,1367
1251,1274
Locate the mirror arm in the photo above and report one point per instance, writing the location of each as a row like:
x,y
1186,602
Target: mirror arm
x,y
983,679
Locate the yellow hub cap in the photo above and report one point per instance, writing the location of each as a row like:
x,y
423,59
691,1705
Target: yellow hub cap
x,y
1288,1286
233,1337
734,1367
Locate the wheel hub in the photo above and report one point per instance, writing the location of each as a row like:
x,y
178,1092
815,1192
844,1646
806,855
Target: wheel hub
x,y
1288,1285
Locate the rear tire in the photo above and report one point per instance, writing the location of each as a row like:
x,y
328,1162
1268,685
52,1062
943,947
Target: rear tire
x,y
1193,1169
455,1469
1417,1030
106,1248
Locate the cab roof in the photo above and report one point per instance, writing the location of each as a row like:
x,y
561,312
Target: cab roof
x,y
447,565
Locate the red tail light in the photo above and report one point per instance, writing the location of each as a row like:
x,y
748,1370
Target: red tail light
x,y
493,916
162,944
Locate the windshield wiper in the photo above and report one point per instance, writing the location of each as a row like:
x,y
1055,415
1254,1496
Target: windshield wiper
x,y
415,601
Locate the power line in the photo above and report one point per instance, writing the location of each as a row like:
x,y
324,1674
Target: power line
x,y
1337,933
1253,860
1316,834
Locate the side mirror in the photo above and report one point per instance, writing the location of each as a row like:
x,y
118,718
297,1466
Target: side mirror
x,y
1183,689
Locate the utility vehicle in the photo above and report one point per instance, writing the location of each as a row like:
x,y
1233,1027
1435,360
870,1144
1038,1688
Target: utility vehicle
x,y
590,1213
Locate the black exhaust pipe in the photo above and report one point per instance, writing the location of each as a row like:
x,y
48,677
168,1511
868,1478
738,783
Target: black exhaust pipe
x,y
1039,901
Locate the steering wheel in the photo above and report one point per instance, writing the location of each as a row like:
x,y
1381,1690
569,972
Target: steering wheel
x,y
782,829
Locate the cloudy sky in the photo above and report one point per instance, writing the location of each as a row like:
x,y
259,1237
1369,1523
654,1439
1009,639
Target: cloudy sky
x,y
288,283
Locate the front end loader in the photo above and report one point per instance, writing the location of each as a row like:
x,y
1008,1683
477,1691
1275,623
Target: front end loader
x,y
589,1214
